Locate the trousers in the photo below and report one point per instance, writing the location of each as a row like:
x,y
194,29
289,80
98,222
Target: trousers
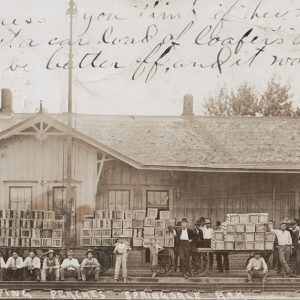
x,y
284,253
70,273
32,275
207,244
13,275
50,274
184,254
222,261
121,261
90,272
257,274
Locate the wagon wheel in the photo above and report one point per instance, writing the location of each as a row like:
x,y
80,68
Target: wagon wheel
x,y
165,263
103,259
293,264
200,264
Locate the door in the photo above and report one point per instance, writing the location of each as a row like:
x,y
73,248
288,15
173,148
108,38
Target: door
x,y
20,197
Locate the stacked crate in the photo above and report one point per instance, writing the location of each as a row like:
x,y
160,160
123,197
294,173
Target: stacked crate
x,y
36,228
106,226
245,232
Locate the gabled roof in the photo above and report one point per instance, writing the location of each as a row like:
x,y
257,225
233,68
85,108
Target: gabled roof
x,y
196,143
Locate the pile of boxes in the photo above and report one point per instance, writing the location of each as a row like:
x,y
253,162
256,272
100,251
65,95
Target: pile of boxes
x,y
138,226
245,232
37,228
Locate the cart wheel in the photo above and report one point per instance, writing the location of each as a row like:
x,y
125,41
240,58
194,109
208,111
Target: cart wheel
x,y
165,263
103,259
200,263
293,264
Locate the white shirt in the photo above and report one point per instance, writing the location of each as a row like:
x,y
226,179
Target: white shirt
x,y
184,234
2,263
257,264
70,263
207,233
15,263
35,262
283,237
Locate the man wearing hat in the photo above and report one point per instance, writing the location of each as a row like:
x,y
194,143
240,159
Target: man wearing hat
x,y
50,270
70,267
284,240
14,267
221,257
184,237
207,237
257,268
90,266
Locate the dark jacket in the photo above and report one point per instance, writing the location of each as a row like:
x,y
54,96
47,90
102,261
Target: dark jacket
x,y
295,239
197,240
178,234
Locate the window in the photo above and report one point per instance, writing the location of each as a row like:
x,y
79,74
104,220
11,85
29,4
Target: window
x,y
118,199
20,197
59,199
158,199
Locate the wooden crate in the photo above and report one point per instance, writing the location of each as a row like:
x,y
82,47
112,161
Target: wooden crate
x,y
107,223
129,214
38,224
87,223
14,233
119,214
99,214
269,245
240,227
259,237
149,231
86,242
2,241
96,241
137,242
35,242
170,223
86,232
229,245
218,235
46,242
259,245
14,242
49,215
261,227
231,228
57,243
97,232
164,215
127,232
249,237
160,224
233,218
127,224
14,223
250,227
26,224
159,233
15,214
269,237
140,214
244,218
263,218
137,223
57,234
253,218
26,233
116,232
38,214
149,222
106,233
58,224
168,234
117,223
36,233
107,242
239,245
229,237
160,241
137,232
97,223
108,214
220,245
239,237
152,213
46,234
249,246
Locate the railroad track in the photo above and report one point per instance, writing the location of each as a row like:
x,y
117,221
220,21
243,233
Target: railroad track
x,y
152,286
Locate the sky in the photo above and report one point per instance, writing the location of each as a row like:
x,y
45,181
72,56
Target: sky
x,y
147,54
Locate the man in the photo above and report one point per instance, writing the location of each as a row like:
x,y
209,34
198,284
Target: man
x,y
202,222
295,225
50,270
257,268
207,236
90,266
14,266
32,267
296,253
198,236
70,267
221,257
184,237
284,247
176,250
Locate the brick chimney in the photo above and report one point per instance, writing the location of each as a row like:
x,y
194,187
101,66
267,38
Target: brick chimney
x,y
6,102
188,106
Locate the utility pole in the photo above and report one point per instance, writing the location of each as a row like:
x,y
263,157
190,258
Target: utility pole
x,y
70,227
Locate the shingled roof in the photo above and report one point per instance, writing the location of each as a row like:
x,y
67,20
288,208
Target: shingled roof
x,y
195,142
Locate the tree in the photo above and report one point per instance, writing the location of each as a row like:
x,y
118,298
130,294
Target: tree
x,y
276,100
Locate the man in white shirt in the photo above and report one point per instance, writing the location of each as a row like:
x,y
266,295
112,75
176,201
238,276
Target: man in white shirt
x,y
257,268
70,267
14,266
207,236
284,247
90,266
32,267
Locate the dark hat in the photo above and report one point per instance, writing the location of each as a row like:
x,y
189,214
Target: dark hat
x,y
202,219
197,223
89,251
178,224
218,223
184,220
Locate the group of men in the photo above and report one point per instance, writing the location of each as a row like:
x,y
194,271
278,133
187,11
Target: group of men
x,y
200,237
31,268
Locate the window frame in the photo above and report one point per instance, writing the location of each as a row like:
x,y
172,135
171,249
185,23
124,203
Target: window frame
x,y
20,187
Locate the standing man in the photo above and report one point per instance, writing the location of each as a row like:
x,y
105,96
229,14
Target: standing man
x,y
207,236
32,267
14,266
284,247
184,237
296,245
90,266
70,266
222,257
176,248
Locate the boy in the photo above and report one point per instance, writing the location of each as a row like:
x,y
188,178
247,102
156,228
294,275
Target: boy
x,y
154,248
90,266
32,267
121,251
257,268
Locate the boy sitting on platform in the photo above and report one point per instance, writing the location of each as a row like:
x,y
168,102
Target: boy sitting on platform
x,y
50,270
32,267
14,266
257,268
90,266
70,267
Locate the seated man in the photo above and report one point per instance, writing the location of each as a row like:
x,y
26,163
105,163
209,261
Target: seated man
x,y
32,267
70,267
257,268
90,266
2,266
14,266
50,270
